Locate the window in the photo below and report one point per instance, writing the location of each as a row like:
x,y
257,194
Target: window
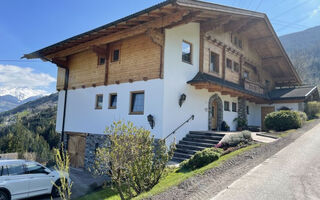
x,y
99,101
16,169
236,67
226,106
214,62
4,171
101,60
248,110
137,103
237,41
246,74
234,107
33,168
115,55
113,101
186,52
229,63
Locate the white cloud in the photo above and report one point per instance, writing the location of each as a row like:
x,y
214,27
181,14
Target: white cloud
x,y
23,82
315,11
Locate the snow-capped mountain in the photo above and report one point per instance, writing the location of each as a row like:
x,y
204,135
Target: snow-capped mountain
x,y
11,98
22,93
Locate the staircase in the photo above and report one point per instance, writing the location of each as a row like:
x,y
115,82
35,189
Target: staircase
x,y
195,141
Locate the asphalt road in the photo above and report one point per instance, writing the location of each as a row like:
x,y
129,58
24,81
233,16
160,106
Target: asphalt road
x,y
292,173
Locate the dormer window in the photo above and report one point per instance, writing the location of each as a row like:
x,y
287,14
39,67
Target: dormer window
x,y
236,40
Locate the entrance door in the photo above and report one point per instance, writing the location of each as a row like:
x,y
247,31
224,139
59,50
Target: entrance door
x,y
214,115
264,111
76,150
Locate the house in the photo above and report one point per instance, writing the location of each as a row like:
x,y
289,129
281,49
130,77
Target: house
x,y
165,65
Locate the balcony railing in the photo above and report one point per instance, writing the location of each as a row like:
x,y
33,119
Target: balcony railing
x,y
253,86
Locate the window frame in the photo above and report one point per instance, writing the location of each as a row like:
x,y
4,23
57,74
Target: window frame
x,y
110,102
112,55
191,52
96,106
105,60
131,103
217,62
226,108
234,107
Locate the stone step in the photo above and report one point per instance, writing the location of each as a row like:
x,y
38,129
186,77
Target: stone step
x,y
182,155
183,146
177,159
207,137
186,151
201,140
206,133
206,145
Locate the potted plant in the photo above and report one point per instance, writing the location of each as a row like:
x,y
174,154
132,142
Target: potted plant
x,y
241,123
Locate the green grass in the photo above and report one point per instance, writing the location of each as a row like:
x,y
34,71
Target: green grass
x,y
287,132
172,179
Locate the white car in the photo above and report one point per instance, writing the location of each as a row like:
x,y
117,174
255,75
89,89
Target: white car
x,y
23,179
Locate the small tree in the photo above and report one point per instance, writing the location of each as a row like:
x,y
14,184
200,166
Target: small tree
x,y
133,160
62,186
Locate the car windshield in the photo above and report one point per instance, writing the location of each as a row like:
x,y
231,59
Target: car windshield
x,y
33,168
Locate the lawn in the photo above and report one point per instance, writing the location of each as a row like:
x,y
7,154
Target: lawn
x,y
172,179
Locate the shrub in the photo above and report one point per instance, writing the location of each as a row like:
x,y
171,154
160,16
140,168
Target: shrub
x,y
282,120
131,159
232,140
201,158
312,109
303,116
241,123
225,126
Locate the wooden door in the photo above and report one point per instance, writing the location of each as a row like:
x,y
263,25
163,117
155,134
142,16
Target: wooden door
x,y
214,115
264,111
76,150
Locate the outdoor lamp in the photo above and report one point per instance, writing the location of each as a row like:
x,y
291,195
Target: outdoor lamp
x,y
151,121
182,99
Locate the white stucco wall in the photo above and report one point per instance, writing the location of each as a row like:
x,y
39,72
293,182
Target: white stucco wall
x,y
81,115
176,75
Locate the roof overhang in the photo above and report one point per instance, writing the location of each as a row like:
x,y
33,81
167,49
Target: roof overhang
x,y
187,11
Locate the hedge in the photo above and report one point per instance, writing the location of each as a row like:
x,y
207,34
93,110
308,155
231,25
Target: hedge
x,y
283,120
312,109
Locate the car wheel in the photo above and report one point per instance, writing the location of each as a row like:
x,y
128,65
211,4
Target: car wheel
x,y
55,191
4,195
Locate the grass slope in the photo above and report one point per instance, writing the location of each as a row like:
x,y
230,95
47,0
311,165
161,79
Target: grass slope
x,y
172,179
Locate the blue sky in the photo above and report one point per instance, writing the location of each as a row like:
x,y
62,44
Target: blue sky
x,y
26,26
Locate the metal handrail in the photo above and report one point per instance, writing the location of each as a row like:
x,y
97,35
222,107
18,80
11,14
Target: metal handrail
x,y
173,132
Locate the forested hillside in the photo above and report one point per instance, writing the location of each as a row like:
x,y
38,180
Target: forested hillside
x,y
303,49
30,128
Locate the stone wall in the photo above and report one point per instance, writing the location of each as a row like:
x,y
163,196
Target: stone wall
x,y
242,108
93,141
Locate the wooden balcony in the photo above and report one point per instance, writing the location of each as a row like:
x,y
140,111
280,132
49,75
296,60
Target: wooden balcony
x,y
253,86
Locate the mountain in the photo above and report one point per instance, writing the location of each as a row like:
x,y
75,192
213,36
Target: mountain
x,y
8,102
303,49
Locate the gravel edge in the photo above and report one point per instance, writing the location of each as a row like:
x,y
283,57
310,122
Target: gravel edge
x,y
213,181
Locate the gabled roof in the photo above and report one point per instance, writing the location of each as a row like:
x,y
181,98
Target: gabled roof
x,y
257,27
292,93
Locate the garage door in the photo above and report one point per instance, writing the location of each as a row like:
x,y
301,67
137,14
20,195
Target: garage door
x,y
76,150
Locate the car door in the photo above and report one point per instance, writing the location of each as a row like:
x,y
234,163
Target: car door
x,y
39,179
15,180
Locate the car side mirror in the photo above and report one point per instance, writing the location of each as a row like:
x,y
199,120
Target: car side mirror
x,y
48,171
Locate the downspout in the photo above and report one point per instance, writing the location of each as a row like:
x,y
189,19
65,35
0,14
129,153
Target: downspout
x,y
66,83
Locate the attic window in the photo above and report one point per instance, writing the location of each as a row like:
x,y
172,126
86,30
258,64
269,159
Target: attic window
x,y
214,62
236,40
101,60
186,52
115,55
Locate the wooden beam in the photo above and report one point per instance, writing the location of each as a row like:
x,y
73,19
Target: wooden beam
x,y
235,25
60,62
106,78
212,24
139,29
248,25
260,40
224,62
100,51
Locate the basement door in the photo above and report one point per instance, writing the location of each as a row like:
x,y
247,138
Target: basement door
x,y
264,111
76,150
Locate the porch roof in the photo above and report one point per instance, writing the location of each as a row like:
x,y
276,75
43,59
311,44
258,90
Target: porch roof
x,y
293,93
224,86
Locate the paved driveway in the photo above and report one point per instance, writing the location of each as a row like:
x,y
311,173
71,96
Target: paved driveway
x,y
292,173
83,183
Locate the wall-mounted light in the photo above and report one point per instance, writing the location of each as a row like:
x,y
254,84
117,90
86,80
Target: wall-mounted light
x,y
182,99
151,121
